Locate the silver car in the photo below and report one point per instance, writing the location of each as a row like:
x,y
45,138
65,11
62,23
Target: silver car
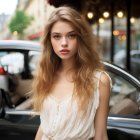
x,y
18,121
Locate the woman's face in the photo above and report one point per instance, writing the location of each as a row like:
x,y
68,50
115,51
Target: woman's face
x,y
64,40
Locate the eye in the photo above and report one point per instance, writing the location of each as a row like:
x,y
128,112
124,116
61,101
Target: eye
x,y
72,36
56,36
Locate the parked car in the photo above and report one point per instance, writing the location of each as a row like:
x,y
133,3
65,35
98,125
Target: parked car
x,y
19,121
120,60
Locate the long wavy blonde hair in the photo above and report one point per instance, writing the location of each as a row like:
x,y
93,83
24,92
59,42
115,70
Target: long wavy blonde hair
x,y
86,60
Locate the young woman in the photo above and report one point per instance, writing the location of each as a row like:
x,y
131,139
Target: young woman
x,y
71,88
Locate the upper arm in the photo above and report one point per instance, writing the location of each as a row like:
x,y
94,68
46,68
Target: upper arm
x,y
102,111
39,134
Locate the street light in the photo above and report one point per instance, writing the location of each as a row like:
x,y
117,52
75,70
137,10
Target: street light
x,y
120,14
106,14
90,15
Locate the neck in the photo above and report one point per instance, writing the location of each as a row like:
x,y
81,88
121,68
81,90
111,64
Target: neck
x,y
67,65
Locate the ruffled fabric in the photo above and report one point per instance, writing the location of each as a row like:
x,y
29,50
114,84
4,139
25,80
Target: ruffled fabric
x,y
60,119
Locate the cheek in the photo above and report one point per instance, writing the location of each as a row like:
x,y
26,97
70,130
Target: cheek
x,y
54,44
75,47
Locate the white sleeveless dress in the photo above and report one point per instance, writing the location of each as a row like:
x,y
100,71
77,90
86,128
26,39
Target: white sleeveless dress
x,y
60,119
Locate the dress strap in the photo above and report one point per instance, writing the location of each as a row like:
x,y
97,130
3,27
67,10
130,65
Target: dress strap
x,y
97,94
98,75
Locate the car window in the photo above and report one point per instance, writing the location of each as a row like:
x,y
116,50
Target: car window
x,y
33,60
13,62
137,55
125,98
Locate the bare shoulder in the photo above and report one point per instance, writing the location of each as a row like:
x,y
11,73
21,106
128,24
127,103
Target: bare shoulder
x,y
105,84
105,79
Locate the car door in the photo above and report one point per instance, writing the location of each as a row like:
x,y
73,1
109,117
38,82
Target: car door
x,y
14,123
124,113
18,125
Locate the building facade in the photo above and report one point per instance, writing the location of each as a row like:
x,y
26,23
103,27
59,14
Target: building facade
x,y
39,10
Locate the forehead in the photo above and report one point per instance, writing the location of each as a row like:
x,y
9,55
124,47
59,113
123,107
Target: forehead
x,y
62,27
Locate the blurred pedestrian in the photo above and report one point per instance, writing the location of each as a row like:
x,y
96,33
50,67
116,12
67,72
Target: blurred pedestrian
x,y
71,88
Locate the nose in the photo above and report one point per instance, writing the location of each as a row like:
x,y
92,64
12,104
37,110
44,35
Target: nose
x,y
64,42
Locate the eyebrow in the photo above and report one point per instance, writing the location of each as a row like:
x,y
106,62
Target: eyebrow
x,y
60,33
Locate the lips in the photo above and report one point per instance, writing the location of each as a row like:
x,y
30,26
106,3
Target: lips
x,y
64,51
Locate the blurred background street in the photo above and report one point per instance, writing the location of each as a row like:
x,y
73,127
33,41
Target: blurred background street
x,y
116,25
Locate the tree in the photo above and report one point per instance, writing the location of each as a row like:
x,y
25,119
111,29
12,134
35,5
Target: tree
x,y
20,22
